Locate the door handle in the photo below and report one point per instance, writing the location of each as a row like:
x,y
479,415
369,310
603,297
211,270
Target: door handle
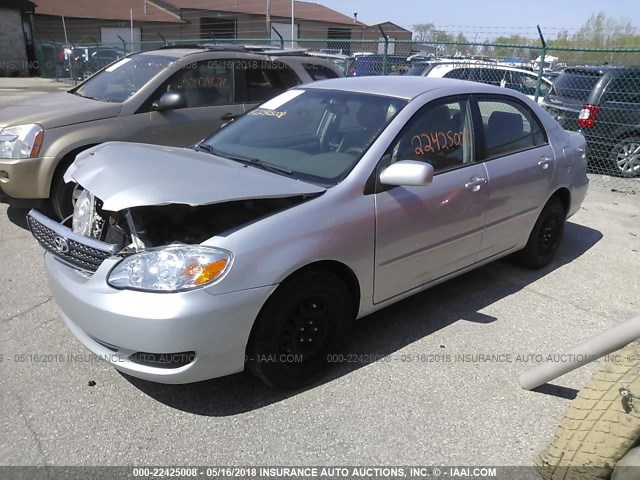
x,y
475,183
228,117
544,162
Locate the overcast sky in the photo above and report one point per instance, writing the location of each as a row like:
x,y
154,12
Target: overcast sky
x,y
489,18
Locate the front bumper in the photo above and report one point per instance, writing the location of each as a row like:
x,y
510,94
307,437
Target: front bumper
x,y
115,324
26,177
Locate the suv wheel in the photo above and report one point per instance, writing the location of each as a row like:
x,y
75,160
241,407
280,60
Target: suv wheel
x,y
626,157
63,197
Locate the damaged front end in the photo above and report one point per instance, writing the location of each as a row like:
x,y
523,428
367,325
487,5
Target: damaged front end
x,y
159,244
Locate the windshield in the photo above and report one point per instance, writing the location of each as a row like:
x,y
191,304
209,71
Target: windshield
x,y
574,86
316,136
124,78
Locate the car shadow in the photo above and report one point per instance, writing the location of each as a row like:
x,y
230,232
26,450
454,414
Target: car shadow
x,y
17,209
381,333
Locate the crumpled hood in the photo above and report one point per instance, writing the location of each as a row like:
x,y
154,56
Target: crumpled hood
x,y
56,110
125,175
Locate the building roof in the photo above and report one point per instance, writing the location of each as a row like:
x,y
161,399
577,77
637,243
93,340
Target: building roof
x,y
24,5
394,27
279,8
107,10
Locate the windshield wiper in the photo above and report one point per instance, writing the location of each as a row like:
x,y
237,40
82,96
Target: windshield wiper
x,y
87,96
244,160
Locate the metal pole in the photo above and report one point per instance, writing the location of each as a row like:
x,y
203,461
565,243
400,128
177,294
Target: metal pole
x,y
131,17
386,50
603,344
268,19
541,66
293,24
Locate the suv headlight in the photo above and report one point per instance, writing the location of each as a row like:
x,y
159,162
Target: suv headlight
x,y
171,269
21,141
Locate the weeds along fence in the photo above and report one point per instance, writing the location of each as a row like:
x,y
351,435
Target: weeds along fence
x,y
594,90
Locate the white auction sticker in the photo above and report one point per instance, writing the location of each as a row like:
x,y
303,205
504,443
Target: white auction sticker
x,y
118,64
281,99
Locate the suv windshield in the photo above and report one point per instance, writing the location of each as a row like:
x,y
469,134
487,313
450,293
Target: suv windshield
x,y
574,85
121,80
312,135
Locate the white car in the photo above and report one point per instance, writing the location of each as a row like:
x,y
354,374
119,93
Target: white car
x,y
524,81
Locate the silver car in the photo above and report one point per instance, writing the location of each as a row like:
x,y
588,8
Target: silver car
x,y
258,248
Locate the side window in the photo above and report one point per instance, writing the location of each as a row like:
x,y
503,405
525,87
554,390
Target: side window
x,y
319,72
265,80
458,73
493,76
440,134
625,89
509,127
204,84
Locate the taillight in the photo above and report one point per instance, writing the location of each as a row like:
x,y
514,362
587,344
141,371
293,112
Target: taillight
x,y
588,115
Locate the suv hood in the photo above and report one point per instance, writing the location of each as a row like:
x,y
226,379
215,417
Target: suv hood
x,y
127,175
56,110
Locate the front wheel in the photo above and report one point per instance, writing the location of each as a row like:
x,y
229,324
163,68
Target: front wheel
x,y
305,321
625,156
64,197
545,237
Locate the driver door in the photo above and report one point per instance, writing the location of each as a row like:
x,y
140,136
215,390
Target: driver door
x,y
426,232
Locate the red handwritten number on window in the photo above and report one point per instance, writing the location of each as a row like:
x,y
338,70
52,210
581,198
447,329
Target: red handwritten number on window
x,y
433,142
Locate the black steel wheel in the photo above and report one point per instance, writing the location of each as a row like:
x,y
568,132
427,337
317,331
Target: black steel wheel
x,y
545,237
306,320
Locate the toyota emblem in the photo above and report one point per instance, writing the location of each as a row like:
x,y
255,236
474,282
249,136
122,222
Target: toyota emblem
x,y
61,244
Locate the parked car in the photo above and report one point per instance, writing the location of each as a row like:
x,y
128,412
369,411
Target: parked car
x,y
323,205
170,96
377,64
523,81
604,104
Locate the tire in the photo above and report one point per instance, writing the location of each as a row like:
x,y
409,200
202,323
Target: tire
x,y
597,430
318,300
544,239
63,195
625,157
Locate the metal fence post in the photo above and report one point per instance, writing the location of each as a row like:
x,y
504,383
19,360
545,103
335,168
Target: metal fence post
x,y
541,65
386,50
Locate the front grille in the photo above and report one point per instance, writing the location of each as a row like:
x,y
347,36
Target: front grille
x,y
81,252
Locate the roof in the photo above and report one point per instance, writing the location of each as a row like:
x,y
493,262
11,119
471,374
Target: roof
x,y
394,27
404,87
279,8
107,10
24,5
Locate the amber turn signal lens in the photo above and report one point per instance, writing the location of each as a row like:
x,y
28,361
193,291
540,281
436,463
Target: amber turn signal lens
x,y
210,272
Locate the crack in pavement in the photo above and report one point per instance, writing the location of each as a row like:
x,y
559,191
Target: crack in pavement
x,y
23,415
28,310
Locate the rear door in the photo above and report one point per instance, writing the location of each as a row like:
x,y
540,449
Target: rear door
x,y
520,164
570,91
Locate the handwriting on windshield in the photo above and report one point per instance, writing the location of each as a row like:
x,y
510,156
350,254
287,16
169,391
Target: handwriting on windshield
x,y
436,141
267,113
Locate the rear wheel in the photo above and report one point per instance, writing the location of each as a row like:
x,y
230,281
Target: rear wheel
x,y
625,156
545,237
305,321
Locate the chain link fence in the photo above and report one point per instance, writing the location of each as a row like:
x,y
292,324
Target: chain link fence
x,y
595,91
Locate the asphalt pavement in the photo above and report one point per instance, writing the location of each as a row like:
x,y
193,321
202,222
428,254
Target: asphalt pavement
x,y
431,380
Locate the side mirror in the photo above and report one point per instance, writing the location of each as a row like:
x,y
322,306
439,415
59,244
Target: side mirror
x,y
170,101
408,173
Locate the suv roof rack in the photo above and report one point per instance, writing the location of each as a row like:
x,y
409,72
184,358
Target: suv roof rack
x,y
237,47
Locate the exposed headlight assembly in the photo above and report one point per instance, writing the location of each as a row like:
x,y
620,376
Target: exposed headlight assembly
x,y
171,269
21,141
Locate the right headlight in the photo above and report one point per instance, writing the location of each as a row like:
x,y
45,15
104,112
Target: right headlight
x,y
171,269
21,141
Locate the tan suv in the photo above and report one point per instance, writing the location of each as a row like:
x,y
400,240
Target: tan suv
x,y
171,96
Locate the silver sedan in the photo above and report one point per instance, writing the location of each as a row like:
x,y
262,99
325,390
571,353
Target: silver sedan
x,y
259,246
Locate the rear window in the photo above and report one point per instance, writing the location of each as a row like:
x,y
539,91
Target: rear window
x,y
319,72
577,86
